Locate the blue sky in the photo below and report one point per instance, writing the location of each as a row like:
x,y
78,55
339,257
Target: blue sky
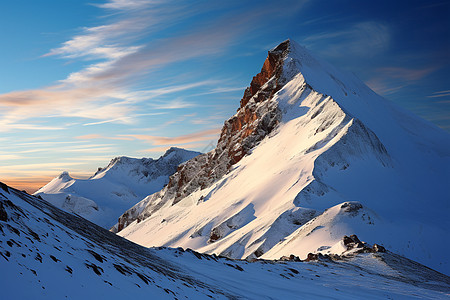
x,y
84,81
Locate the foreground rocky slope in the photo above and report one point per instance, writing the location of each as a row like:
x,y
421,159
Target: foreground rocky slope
x,y
115,188
46,253
312,154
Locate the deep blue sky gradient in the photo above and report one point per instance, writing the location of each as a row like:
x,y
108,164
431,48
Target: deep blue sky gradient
x,y
189,72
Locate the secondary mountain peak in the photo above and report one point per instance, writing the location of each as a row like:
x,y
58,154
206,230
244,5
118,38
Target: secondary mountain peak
x,y
111,190
64,176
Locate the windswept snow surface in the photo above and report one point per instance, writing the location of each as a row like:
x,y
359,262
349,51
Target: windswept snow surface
x,y
112,190
46,253
338,145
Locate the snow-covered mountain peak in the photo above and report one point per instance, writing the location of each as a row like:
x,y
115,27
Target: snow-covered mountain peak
x,y
320,75
306,139
146,168
64,176
111,190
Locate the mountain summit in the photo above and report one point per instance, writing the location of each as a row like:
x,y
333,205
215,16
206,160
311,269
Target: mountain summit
x,y
311,155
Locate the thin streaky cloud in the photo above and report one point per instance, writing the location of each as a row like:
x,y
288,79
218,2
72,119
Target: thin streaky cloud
x,y
384,87
173,104
92,136
19,126
125,4
98,92
48,143
223,90
440,94
407,74
90,150
165,148
95,136
361,39
179,140
123,119
136,96
37,166
10,157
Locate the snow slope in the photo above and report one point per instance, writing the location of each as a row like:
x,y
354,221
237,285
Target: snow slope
x,y
336,144
115,188
46,253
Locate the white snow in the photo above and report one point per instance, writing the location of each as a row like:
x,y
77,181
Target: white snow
x,y
338,141
115,188
46,253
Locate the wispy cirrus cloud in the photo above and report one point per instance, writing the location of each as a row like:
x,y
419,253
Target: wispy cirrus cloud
x,y
362,39
205,135
390,80
125,4
439,94
95,136
407,74
123,52
384,87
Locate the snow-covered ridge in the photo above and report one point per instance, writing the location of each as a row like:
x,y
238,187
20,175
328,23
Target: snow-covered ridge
x,y
306,139
115,188
60,255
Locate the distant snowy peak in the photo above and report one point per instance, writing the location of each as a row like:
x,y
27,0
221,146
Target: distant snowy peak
x,y
114,188
64,176
147,168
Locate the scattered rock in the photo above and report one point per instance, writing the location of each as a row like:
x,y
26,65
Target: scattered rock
x,y
4,187
291,257
3,214
14,230
353,243
378,248
38,258
94,268
235,266
34,235
96,255
143,278
107,282
351,207
312,257
54,258
122,269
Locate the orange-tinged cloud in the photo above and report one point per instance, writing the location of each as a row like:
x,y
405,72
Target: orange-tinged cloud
x,y
165,148
30,185
205,135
